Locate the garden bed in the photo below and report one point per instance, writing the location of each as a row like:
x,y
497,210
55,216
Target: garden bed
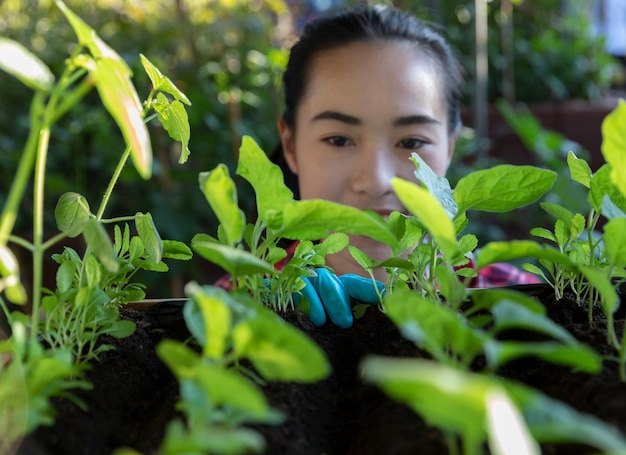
x,y
133,394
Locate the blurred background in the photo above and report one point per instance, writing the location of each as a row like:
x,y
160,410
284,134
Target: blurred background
x,y
541,76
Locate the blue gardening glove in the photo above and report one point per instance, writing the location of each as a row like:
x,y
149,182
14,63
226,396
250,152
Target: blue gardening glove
x,y
330,295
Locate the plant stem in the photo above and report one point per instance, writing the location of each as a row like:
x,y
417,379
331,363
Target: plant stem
x,y
114,178
40,171
22,176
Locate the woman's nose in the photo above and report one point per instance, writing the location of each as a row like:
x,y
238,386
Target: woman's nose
x,y
373,173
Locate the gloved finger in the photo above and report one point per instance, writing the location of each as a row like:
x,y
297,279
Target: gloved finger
x,y
362,289
334,297
317,315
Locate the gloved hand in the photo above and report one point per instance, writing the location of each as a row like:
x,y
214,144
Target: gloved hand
x,y
329,294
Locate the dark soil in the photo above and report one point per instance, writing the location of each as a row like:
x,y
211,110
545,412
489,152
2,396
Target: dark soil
x,y
134,394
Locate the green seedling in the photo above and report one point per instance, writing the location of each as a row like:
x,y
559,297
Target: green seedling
x,y
218,391
51,345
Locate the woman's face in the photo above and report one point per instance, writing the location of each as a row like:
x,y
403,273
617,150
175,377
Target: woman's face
x,y
366,108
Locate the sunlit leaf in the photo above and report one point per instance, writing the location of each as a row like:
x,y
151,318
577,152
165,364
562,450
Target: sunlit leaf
x,y
279,351
18,61
173,249
602,186
502,188
265,177
614,245
579,170
520,249
614,144
217,324
429,212
221,193
161,82
438,186
173,117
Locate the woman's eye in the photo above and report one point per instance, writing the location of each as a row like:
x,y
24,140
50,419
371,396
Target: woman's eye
x,y
338,141
412,143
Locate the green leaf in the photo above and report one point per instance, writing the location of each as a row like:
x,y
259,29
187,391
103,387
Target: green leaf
x,y
312,219
579,170
71,212
221,193
520,249
173,117
438,186
602,186
235,261
118,94
279,351
614,245
576,356
360,257
149,236
161,82
439,329
65,276
602,283
173,249
100,244
18,61
502,188
332,244
121,329
217,324
265,177
614,144
92,271
10,277
430,212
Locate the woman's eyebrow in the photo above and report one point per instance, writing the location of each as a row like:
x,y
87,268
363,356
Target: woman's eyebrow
x,y
418,119
338,116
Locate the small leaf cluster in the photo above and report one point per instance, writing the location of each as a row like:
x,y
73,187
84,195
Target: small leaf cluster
x,y
218,394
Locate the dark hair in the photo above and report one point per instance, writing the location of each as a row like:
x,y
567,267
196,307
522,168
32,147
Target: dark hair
x,y
357,25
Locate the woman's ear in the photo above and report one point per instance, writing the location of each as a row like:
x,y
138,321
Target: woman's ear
x,y
287,141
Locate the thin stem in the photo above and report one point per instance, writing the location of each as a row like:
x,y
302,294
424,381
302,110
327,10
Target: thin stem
x,y
114,178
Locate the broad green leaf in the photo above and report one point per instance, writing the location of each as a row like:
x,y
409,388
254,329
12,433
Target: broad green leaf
x,y
118,94
179,358
121,329
173,249
614,244
265,177
430,212
487,298
438,186
432,326
360,257
575,356
71,212
614,144
610,210
100,244
602,186
312,219
173,117
221,193
447,398
334,243
502,188
149,236
200,439
520,249
579,170
235,261
161,82
510,315
217,324
551,420
279,351
18,61
10,277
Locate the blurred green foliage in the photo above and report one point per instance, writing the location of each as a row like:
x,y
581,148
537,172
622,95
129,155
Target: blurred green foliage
x,y
226,55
